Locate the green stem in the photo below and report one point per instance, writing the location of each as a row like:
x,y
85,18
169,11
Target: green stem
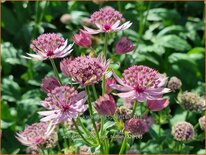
x,y
124,145
102,125
105,55
103,84
105,45
55,71
196,126
94,91
134,108
187,115
84,128
75,124
92,115
65,137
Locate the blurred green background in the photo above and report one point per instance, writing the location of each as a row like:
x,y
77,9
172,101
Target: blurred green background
x,y
169,37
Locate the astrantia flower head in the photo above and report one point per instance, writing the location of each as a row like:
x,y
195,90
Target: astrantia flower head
x,y
49,46
105,105
83,39
183,131
192,102
107,20
84,70
202,121
124,45
141,83
123,113
137,126
35,134
64,103
174,83
49,83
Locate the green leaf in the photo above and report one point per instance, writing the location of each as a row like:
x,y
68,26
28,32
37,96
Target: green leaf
x,y
172,41
174,29
158,14
10,89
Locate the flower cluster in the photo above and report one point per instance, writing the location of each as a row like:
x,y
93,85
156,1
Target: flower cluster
x,y
119,98
84,70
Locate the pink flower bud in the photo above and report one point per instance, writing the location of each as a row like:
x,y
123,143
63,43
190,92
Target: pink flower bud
x,y
105,105
124,45
49,83
82,39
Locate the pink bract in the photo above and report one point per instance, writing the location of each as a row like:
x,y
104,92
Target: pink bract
x,y
105,105
83,39
124,45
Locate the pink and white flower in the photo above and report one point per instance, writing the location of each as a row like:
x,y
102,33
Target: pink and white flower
x,y
141,83
64,103
107,20
49,46
35,134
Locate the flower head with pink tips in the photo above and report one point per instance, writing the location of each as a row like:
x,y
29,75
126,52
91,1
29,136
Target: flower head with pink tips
x,y
107,20
35,134
49,46
64,104
142,83
85,70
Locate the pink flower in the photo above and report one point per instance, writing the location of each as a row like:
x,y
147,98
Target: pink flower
x,y
141,83
35,134
109,82
157,105
138,126
85,70
49,46
124,45
64,103
83,39
49,83
105,105
107,20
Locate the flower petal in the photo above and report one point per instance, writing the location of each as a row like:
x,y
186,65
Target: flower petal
x,y
91,31
157,105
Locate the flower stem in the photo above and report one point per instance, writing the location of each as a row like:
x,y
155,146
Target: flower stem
x,y
124,145
75,124
105,55
84,128
134,108
94,91
92,115
55,71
